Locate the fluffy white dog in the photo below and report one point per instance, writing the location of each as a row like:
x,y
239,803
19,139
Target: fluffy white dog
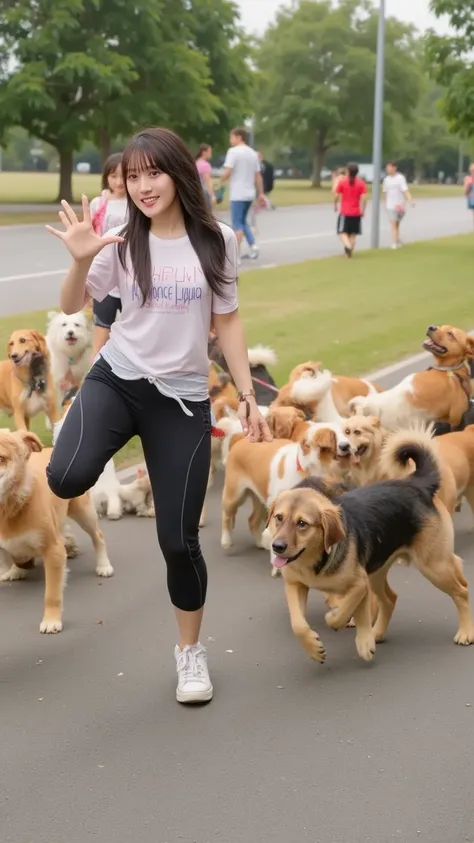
x,y
69,341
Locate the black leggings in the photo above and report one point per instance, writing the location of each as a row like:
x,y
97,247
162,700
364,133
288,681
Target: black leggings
x,y
105,415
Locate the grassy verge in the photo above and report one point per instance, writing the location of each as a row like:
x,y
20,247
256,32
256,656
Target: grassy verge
x,y
360,314
352,315
33,218
42,188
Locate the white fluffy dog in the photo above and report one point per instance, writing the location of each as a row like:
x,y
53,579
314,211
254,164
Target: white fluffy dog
x,y
69,341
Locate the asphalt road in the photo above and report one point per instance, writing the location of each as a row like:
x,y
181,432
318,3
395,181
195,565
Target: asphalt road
x,y
94,746
33,262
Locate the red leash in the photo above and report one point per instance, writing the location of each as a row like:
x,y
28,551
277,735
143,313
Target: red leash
x,y
268,385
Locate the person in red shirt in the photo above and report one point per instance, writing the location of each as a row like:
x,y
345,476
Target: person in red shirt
x,y
351,197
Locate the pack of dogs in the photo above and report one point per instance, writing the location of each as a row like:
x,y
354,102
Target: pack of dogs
x,y
357,478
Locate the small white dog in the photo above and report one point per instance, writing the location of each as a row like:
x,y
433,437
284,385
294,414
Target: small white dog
x,y
69,341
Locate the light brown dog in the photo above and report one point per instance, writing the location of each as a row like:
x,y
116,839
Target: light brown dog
x,y
457,453
32,518
439,394
343,390
344,544
16,397
367,438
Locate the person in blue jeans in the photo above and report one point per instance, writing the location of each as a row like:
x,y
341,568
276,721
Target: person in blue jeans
x,y
242,170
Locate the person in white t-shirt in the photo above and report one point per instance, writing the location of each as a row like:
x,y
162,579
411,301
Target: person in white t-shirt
x,y
176,268
107,211
397,194
242,170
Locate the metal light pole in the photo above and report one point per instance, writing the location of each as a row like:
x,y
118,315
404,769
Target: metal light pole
x,y
378,126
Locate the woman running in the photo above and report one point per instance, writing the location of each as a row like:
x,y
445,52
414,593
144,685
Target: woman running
x,y
351,196
107,211
175,266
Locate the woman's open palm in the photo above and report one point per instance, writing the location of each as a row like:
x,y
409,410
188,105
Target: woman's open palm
x,y
79,237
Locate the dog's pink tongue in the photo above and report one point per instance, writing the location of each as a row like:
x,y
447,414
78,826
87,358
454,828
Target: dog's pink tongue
x,y
279,562
356,459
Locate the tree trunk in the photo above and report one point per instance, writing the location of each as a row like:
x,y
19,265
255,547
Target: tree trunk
x,y
65,174
318,162
105,145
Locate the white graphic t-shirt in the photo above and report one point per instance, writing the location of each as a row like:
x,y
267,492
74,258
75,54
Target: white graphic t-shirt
x,y
395,187
167,338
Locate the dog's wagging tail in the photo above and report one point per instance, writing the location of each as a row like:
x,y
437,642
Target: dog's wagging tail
x,y
378,520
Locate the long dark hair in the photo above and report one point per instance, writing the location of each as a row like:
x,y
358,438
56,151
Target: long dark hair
x,y
352,170
111,164
163,149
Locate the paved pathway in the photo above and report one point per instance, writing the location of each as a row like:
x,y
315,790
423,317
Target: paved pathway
x,y
95,747
33,262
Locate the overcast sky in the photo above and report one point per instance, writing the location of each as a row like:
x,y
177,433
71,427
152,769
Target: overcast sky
x,y
256,14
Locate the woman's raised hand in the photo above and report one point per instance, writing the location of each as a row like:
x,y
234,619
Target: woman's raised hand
x,y
79,237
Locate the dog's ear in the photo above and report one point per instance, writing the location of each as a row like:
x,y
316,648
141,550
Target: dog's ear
x,y
374,422
40,341
280,424
325,438
270,515
30,440
333,530
469,346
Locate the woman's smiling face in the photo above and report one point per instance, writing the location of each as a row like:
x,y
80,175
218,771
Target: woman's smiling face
x,y
151,190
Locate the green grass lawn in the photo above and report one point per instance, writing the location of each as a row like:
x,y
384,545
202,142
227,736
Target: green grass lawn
x,y
42,188
353,315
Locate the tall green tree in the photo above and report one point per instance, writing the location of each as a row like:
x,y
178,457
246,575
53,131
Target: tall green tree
x,y
100,68
317,70
452,63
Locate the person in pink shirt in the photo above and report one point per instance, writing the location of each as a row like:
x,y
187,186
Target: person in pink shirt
x,y
203,157
176,269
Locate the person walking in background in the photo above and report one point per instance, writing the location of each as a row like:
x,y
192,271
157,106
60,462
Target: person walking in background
x,y
397,195
350,198
242,170
203,157
107,211
469,189
268,178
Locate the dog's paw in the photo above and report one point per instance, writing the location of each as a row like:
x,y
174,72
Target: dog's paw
x,y
226,540
105,570
114,515
276,572
464,637
14,573
365,645
314,646
350,624
50,627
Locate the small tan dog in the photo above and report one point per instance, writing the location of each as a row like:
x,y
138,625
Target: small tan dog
x,y
32,519
16,396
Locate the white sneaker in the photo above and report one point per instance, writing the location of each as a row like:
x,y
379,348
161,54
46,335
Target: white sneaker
x,y
194,684
254,252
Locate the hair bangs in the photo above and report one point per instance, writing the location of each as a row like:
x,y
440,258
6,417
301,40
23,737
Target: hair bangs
x,y
140,155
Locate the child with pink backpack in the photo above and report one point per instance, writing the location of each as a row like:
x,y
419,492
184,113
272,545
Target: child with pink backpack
x,y
107,211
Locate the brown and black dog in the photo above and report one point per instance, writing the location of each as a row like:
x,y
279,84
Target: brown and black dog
x,y
346,545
